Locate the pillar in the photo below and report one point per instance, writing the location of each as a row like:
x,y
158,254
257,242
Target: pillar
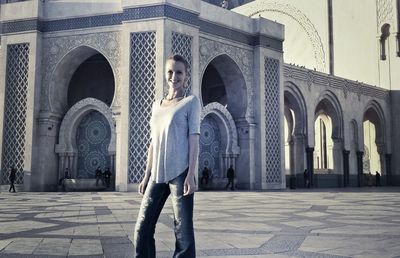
x,y
310,165
346,166
292,176
360,155
382,159
337,156
298,155
388,169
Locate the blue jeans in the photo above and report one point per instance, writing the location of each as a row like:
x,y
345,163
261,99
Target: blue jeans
x,y
152,203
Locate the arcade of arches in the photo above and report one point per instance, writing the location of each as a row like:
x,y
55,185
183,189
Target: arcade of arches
x,y
325,161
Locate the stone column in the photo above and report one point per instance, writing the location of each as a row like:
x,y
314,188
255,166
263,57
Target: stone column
x,y
61,159
337,156
75,165
45,169
360,167
346,166
388,169
298,155
252,132
292,176
382,159
245,177
310,165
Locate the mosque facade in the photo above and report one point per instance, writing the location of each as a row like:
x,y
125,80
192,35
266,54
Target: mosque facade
x,y
78,79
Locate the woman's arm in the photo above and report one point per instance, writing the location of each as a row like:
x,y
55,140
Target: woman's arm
x,y
145,180
189,186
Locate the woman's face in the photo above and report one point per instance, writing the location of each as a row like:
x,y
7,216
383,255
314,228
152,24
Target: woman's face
x,y
175,74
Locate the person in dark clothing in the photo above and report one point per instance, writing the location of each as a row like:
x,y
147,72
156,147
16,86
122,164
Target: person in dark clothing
x,y
107,177
13,172
377,179
99,176
66,174
205,175
306,179
230,175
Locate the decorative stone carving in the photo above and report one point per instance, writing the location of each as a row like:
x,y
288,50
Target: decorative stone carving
x,y
293,73
66,144
258,7
227,119
242,57
384,12
107,43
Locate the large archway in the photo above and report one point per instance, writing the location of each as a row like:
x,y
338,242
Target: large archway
x,y
374,144
223,82
295,135
328,149
83,72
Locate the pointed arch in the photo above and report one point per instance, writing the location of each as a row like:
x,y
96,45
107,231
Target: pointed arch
x,y
66,142
225,118
63,72
234,87
374,113
328,103
294,100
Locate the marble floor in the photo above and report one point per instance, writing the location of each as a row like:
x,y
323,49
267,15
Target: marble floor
x,y
358,222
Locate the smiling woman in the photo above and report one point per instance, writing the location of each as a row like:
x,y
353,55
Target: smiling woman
x,y
171,162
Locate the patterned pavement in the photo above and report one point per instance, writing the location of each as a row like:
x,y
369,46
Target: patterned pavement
x,y
317,223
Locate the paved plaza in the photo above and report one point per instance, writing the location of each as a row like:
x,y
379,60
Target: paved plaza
x,y
317,223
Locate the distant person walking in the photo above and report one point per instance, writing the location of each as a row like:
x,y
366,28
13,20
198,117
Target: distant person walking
x,y
231,176
13,172
205,175
377,179
306,179
66,174
99,176
107,176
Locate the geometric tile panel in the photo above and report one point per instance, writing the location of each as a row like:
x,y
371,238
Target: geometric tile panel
x,y
182,45
92,140
141,97
272,121
14,127
210,141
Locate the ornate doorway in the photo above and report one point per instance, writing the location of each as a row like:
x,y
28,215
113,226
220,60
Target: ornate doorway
x,y
92,138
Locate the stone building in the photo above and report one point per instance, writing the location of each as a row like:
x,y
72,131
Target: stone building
x,y
78,79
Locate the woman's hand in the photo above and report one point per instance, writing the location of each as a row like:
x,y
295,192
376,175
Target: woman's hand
x,y
143,185
189,186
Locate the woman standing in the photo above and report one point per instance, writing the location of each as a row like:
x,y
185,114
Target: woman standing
x,y
171,162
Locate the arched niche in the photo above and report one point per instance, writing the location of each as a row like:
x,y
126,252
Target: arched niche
x,y
229,148
330,105
374,113
374,140
66,147
330,110
294,100
296,132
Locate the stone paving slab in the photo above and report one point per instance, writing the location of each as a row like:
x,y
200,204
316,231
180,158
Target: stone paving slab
x,y
331,223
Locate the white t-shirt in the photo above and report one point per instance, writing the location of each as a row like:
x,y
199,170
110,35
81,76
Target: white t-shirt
x,y
170,129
